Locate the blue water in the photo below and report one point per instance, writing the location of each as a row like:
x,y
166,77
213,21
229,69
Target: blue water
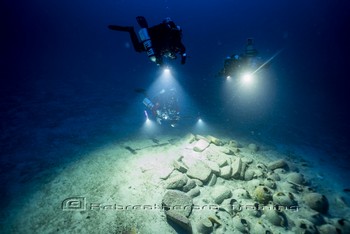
x,y
67,82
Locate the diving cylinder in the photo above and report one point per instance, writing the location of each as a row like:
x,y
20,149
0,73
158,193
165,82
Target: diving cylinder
x,y
148,103
250,50
147,43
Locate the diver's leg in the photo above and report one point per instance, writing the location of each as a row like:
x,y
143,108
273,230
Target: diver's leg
x,y
120,28
134,39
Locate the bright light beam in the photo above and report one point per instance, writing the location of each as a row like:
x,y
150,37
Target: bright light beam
x,y
273,56
166,70
146,114
247,78
166,73
200,124
149,127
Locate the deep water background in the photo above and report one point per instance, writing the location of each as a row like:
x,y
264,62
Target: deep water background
x,y
67,82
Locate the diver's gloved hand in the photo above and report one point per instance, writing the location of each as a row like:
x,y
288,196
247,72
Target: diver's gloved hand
x,y
183,58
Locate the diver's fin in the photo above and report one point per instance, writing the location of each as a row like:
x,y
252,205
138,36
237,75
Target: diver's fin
x,y
142,21
140,90
121,28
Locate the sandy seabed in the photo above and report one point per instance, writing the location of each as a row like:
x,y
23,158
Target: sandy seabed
x,y
119,188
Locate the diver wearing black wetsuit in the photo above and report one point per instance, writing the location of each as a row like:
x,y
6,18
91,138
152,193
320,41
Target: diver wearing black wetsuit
x,y
161,40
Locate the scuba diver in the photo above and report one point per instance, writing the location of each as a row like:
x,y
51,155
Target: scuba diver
x,y
237,63
162,40
164,106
